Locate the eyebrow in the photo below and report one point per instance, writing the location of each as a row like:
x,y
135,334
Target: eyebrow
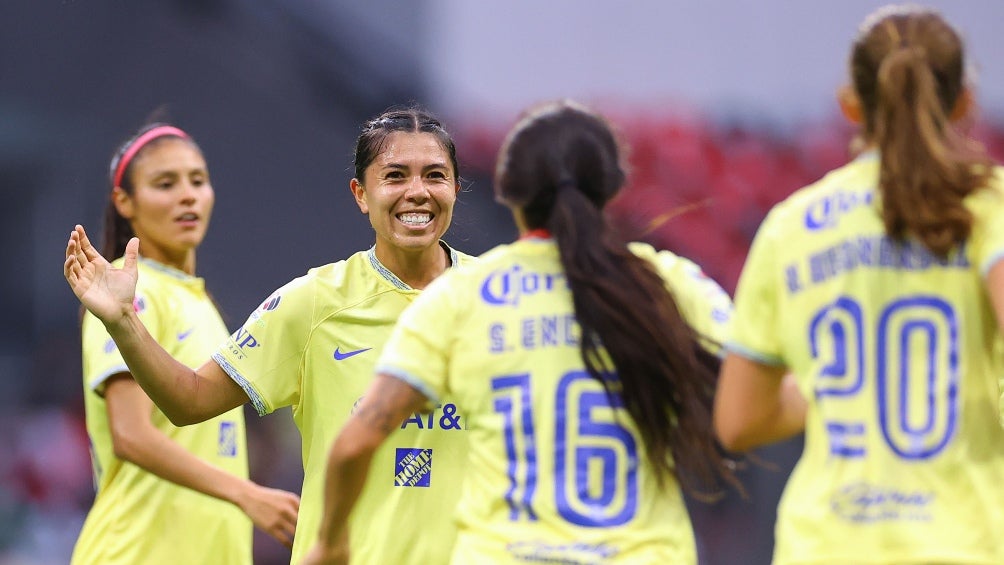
x,y
436,165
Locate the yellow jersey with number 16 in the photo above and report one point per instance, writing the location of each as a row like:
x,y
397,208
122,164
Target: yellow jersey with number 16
x,y
556,471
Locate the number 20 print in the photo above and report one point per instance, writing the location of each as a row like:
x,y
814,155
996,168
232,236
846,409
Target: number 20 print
x,y
916,344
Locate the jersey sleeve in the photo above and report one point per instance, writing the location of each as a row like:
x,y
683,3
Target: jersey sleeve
x,y
705,306
265,354
101,357
419,346
754,330
986,243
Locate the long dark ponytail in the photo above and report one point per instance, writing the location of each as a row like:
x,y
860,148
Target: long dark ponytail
x,y
560,165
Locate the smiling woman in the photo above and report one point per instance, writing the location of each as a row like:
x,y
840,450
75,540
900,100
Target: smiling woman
x,y
313,344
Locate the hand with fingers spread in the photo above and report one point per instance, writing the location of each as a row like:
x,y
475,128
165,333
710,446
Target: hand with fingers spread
x,y
273,511
104,290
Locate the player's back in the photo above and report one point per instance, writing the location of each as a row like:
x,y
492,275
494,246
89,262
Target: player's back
x,y
557,470
893,347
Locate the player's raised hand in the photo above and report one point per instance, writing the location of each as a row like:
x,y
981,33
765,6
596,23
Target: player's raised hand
x,y
104,290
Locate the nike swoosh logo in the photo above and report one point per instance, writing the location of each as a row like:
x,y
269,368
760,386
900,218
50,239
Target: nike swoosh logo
x,y
339,355
185,334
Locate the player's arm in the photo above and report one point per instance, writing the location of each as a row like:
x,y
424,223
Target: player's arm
x,y
135,439
185,396
386,404
756,404
995,288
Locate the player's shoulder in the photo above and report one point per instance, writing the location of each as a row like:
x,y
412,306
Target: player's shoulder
x,y
819,204
666,261
991,195
459,258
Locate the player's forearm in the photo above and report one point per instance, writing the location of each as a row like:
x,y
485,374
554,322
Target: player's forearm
x,y
170,384
154,452
348,467
756,404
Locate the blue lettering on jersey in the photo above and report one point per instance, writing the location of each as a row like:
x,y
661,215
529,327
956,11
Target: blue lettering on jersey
x,y
227,444
413,467
535,332
245,339
825,212
862,502
496,338
868,252
505,287
447,420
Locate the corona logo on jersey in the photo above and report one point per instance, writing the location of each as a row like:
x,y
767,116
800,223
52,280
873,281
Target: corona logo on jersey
x,y
826,211
505,287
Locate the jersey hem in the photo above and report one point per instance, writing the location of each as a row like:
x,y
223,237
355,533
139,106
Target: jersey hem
x,y
256,400
989,263
754,355
99,380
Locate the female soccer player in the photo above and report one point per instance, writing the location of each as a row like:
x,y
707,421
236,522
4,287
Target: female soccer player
x,y
313,343
166,494
877,287
586,386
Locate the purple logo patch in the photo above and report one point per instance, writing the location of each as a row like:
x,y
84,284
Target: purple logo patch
x,y
413,468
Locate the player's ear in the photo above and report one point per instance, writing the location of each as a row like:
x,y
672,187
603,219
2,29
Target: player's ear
x,y
850,104
123,202
359,193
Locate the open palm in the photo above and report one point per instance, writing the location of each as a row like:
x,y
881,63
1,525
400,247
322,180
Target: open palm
x,y
104,290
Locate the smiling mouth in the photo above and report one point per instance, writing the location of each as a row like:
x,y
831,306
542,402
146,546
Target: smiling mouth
x,y
415,219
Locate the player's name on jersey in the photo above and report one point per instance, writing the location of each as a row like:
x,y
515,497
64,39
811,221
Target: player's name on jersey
x,y
533,333
867,252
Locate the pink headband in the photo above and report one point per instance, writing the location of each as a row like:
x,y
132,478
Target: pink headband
x,y
142,140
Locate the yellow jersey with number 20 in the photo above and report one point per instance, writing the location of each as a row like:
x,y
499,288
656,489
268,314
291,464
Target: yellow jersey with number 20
x,y
895,349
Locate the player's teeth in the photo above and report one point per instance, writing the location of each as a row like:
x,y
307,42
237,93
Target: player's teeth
x,y
415,218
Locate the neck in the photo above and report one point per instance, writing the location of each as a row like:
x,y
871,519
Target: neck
x,y
415,268
184,262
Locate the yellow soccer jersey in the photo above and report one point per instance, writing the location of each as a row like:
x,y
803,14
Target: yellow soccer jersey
x,y
138,517
312,345
555,473
894,349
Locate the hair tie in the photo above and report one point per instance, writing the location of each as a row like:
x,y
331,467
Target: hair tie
x,y
138,143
